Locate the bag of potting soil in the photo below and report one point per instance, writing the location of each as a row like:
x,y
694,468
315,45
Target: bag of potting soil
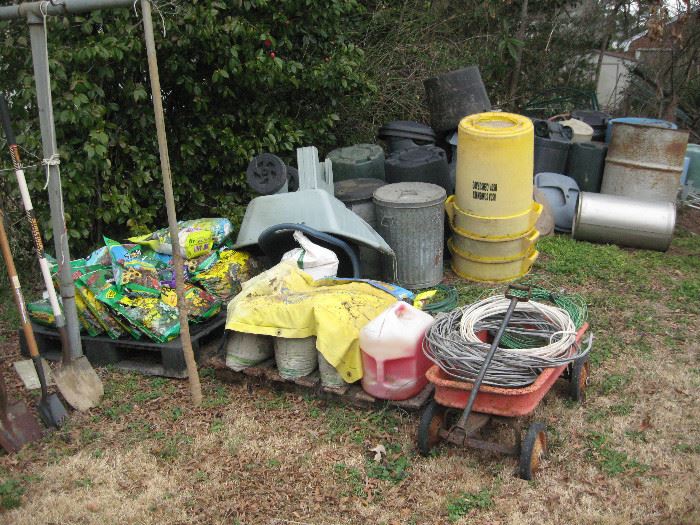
x,y
197,237
89,286
201,305
88,322
133,274
223,276
41,313
153,317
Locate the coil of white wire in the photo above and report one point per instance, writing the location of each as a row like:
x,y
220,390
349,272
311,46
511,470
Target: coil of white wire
x,y
453,341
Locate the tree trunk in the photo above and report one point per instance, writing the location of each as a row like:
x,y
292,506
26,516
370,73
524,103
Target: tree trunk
x,y
609,29
520,35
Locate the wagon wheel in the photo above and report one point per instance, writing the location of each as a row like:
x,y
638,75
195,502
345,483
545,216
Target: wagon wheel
x,y
533,449
580,377
431,421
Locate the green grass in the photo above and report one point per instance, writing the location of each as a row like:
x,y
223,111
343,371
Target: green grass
x,y
463,503
393,467
611,461
352,478
11,491
358,425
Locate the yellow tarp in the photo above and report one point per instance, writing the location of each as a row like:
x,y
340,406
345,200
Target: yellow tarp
x,y
286,302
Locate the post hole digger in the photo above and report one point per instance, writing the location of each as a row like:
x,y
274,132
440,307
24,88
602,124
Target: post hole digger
x,y
74,377
50,408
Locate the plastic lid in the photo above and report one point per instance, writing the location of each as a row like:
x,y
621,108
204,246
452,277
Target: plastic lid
x,y
417,156
407,129
591,117
266,173
355,190
494,124
357,154
410,195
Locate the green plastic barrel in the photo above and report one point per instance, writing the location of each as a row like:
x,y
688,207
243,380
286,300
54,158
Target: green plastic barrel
x,y
362,161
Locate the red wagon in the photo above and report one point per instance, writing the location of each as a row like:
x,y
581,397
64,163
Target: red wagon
x,y
495,404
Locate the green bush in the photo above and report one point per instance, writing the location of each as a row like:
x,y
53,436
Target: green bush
x,y
238,78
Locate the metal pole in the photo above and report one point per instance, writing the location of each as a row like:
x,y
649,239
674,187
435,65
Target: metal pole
x,y
64,7
37,34
193,374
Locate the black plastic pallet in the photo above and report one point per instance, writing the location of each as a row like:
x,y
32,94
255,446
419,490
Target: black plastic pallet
x,y
142,356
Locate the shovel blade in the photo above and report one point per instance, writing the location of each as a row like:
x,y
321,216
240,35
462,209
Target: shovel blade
x,y
52,412
79,384
18,427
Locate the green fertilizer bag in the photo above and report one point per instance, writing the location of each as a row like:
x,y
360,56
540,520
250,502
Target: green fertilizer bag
x,y
159,321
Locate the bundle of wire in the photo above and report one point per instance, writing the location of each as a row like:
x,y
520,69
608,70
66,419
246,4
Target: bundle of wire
x,y
548,332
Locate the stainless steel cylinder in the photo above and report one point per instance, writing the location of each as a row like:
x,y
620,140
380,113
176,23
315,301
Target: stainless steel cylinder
x,y
624,221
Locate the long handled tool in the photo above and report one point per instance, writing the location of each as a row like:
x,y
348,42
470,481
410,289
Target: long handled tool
x,y
459,429
75,378
192,372
51,410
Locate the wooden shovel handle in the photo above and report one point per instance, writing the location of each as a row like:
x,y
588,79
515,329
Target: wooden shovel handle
x,y
17,289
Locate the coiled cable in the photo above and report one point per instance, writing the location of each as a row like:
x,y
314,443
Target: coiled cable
x,y
455,341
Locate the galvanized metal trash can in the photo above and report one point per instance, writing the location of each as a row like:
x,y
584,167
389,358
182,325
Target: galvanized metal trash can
x,y
411,219
357,194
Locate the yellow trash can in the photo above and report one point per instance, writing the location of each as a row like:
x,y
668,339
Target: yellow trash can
x,y
495,162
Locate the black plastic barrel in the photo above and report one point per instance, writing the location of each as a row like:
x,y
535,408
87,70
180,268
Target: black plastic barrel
x,y
595,119
404,134
586,164
550,155
453,96
420,164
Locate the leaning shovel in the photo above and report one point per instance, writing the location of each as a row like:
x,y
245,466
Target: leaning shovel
x,y
17,425
50,408
76,379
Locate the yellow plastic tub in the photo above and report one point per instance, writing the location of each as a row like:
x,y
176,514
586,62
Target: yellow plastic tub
x,y
492,228
488,250
490,271
495,162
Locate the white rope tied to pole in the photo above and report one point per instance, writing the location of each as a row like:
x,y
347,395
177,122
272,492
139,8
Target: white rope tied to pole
x,y
53,160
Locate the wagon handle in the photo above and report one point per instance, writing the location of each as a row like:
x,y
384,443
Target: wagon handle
x,y
461,424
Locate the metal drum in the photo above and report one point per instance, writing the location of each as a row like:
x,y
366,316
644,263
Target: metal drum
x,y
644,162
411,219
624,221
356,194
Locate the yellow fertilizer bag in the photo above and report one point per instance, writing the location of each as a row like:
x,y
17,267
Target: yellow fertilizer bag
x,y
286,302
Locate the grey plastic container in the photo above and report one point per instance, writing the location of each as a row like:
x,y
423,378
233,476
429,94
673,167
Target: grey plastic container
x,y
625,221
551,155
411,218
586,163
562,193
420,164
359,161
356,194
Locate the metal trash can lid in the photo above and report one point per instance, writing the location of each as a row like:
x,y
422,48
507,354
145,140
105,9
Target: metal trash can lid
x,y
358,154
410,195
355,190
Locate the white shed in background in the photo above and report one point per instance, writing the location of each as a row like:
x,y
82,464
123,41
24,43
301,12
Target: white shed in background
x,y
614,78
